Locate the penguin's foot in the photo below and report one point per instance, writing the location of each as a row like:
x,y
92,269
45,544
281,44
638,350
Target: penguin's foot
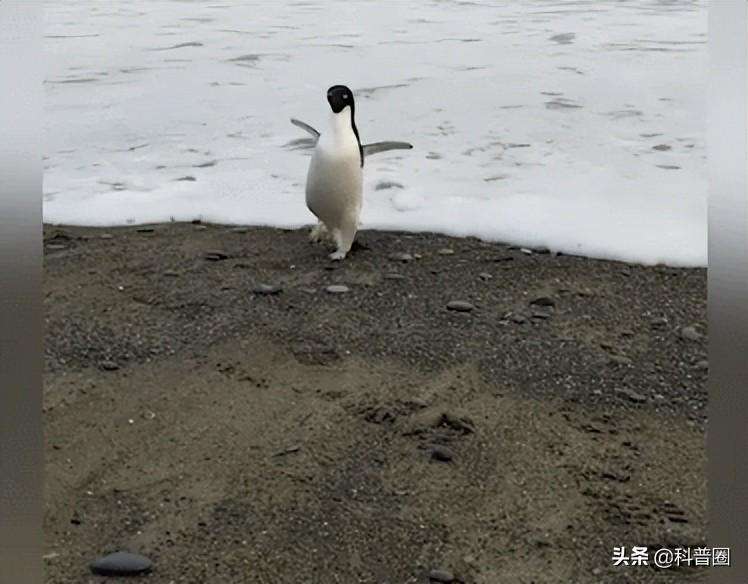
x,y
318,233
343,238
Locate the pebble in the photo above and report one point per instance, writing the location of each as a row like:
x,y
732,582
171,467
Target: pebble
x,y
109,366
460,306
337,289
434,417
441,453
239,230
171,273
702,365
444,576
543,301
459,422
56,246
620,360
446,251
106,236
525,251
658,322
518,319
394,277
485,276
401,257
289,450
267,289
632,395
690,333
121,564
215,255
541,314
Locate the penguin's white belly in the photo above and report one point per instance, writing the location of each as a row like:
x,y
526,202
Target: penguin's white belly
x,y
334,185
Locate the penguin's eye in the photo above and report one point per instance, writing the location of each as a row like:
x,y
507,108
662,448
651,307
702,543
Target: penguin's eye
x,y
345,96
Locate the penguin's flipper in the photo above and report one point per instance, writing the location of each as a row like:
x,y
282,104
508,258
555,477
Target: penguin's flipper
x,y
305,126
370,149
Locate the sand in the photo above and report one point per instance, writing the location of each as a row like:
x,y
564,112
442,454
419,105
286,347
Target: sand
x,y
238,433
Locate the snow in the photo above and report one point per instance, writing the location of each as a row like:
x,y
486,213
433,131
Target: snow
x,y
577,126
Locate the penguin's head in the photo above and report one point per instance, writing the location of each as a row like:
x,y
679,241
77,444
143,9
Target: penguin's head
x,y
339,96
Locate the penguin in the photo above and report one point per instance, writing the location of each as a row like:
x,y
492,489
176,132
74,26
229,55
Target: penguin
x,y
334,184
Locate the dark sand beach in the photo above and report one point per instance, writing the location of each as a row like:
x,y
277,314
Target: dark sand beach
x,y
211,404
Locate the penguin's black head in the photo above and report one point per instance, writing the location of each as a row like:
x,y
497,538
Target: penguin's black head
x,y
339,96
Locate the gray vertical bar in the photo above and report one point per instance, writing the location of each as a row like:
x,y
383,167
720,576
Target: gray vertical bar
x,y
20,280
727,434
